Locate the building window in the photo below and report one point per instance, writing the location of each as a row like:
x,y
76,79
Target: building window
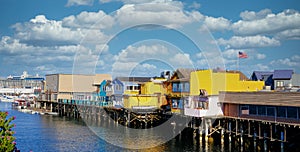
x,y
177,103
175,87
137,87
281,112
270,111
252,110
118,87
292,112
261,110
279,84
245,110
180,87
186,87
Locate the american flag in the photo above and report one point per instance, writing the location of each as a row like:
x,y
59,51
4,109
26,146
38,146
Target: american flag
x,y
243,55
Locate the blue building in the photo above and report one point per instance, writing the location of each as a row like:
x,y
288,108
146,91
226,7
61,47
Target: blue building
x,y
266,76
277,79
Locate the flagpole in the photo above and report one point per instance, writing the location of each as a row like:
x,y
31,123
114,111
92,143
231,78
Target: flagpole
x,y
237,63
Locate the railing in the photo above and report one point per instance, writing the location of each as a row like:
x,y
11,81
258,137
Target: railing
x,y
86,102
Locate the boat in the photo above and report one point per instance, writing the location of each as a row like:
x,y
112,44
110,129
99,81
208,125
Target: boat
x,y
5,98
19,104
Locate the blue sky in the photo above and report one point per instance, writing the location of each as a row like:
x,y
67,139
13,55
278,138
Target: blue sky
x,y
143,37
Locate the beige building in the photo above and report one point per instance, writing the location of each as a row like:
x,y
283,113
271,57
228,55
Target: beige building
x,y
72,86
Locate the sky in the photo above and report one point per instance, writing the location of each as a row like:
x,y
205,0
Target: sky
x,y
146,37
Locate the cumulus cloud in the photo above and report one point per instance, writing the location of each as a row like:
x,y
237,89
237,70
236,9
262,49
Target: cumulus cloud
x,y
260,56
181,60
264,22
144,1
136,58
260,67
143,52
79,2
248,42
195,5
293,34
90,20
160,13
251,15
41,30
217,24
291,62
36,57
44,32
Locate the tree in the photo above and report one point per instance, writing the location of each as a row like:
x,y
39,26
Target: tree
x,y
7,139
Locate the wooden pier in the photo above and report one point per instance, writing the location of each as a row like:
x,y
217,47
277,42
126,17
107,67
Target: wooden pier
x,y
238,129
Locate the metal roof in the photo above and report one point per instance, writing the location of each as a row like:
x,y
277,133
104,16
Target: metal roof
x,y
282,74
260,74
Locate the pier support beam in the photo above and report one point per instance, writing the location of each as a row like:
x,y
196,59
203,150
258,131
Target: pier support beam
x,y
222,139
254,140
241,136
265,141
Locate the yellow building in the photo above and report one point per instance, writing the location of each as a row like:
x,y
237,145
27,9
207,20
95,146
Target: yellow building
x,y
213,82
152,95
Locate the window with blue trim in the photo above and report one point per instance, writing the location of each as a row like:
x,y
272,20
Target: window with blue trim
x,y
180,87
177,103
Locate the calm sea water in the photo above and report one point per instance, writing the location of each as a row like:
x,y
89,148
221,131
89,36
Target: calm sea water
x,y
52,133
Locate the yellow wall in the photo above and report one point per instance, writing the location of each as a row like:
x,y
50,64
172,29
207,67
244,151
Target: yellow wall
x,y
152,88
220,81
144,100
131,92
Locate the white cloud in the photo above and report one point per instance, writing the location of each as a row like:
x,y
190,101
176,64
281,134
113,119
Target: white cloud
x,y
261,67
231,53
159,13
260,56
79,2
144,1
266,23
44,32
195,5
217,24
291,62
251,15
143,52
181,60
136,58
89,20
42,29
289,34
248,42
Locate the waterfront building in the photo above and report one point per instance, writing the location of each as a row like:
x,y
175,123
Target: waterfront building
x,y
101,93
126,86
276,107
205,86
151,97
285,80
266,76
178,87
116,92
282,79
72,86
